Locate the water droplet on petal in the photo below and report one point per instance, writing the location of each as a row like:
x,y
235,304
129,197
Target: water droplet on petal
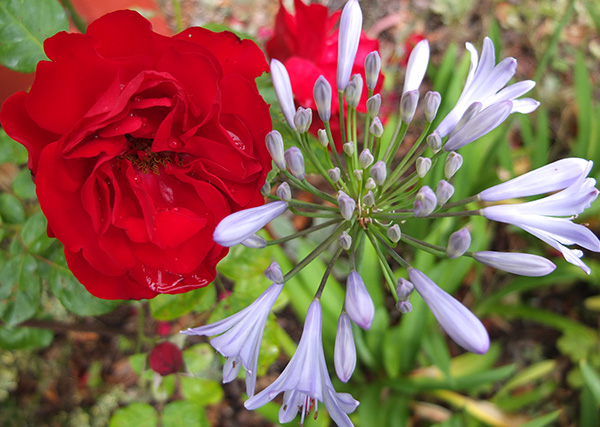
x,y
237,141
174,143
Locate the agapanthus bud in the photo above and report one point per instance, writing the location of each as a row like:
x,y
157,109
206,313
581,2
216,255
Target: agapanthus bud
x,y
358,174
303,119
347,206
344,352
404,306
345,240
432,103
374,105
425,202
353,91
444,191
284,192
458,243
379,172
376,127
370,184
434,141
516,263
366,158
453,163
369,199
394,233
295,162
322,137
254,242
416,67
423,164
359,304
349,148
372,69
283,90
349,37
274,273
322,95
334,174
404,289
265,190
274,143
408,105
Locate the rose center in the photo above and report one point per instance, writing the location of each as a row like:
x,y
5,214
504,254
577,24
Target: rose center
x,y
139,153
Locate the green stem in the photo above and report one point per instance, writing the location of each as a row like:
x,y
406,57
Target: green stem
x,y
303,232
328,272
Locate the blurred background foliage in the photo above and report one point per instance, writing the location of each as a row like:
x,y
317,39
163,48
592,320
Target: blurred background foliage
x,y
67,358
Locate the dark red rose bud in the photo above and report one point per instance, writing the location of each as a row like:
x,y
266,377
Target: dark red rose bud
x,y
166,358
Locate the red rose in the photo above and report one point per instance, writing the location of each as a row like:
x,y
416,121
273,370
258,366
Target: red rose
x,y
166,358
139,145
307,44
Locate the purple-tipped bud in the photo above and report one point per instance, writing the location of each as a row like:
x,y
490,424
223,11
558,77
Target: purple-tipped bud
x,y
283,90
374,105
444,191
376,127
274,143
416,67
322,137
516,263
432,103
423,164
404,306
408,105
404,289
370,184
359,304
265,190
345,240
322,95
274,273
434,142
366,158
458,243
344,352
303,119
352,93
369,199
425,202
284,192
255,242
334,174
349,148
453,163
372,69
358,174
394,233
379,172
458,322
347,206
295,162
349,37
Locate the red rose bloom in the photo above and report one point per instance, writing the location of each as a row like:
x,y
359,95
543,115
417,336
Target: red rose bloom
x,y
166,358
139,145
307,44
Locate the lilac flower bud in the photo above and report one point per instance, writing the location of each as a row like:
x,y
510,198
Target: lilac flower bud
x,y
372,69
432,103
458,243
353,91
345,240
349,37
416,67
359,304
295,162
323,138
334,174
516,263
344,353
425,202
284,192
254,242
366,158
370,184
274,143
303,119
444,192
374,105
322,95
265,190
423,164
404,306
274,273
369,199
376,127
434,141
283,90
347,206
379,172
394,233
349,148
358,174
408,105
453,163
404,289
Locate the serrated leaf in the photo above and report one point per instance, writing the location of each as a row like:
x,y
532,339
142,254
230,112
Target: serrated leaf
x,y
20,289
24,338
34,235
11,209
184,413
170,307
11,151
201,391
137,414
23,185
24,25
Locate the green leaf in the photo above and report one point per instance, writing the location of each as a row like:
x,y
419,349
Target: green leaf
x,y
543,420
24,25
24,338
137,414
201,390
11,151
170,307
184,413
34,235
198,358
591,379
23,185
11,209
20,289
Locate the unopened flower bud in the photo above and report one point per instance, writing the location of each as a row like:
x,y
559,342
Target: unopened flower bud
x,y
404,306
303,119
394,233
295,162
344,353
283,90
370,184
434,141
423,164
274,143
334,174
359,304
254,242
284,192
349,37
345,240
425,202
444,192
358,174
353,91
366,158
408,105
347,206
372,68
379,172
416,67
458,243
432,103
516,263
404,289
265,190
453,163
322,136
376,127
369,199
274,273
322,95
374,105
349,148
